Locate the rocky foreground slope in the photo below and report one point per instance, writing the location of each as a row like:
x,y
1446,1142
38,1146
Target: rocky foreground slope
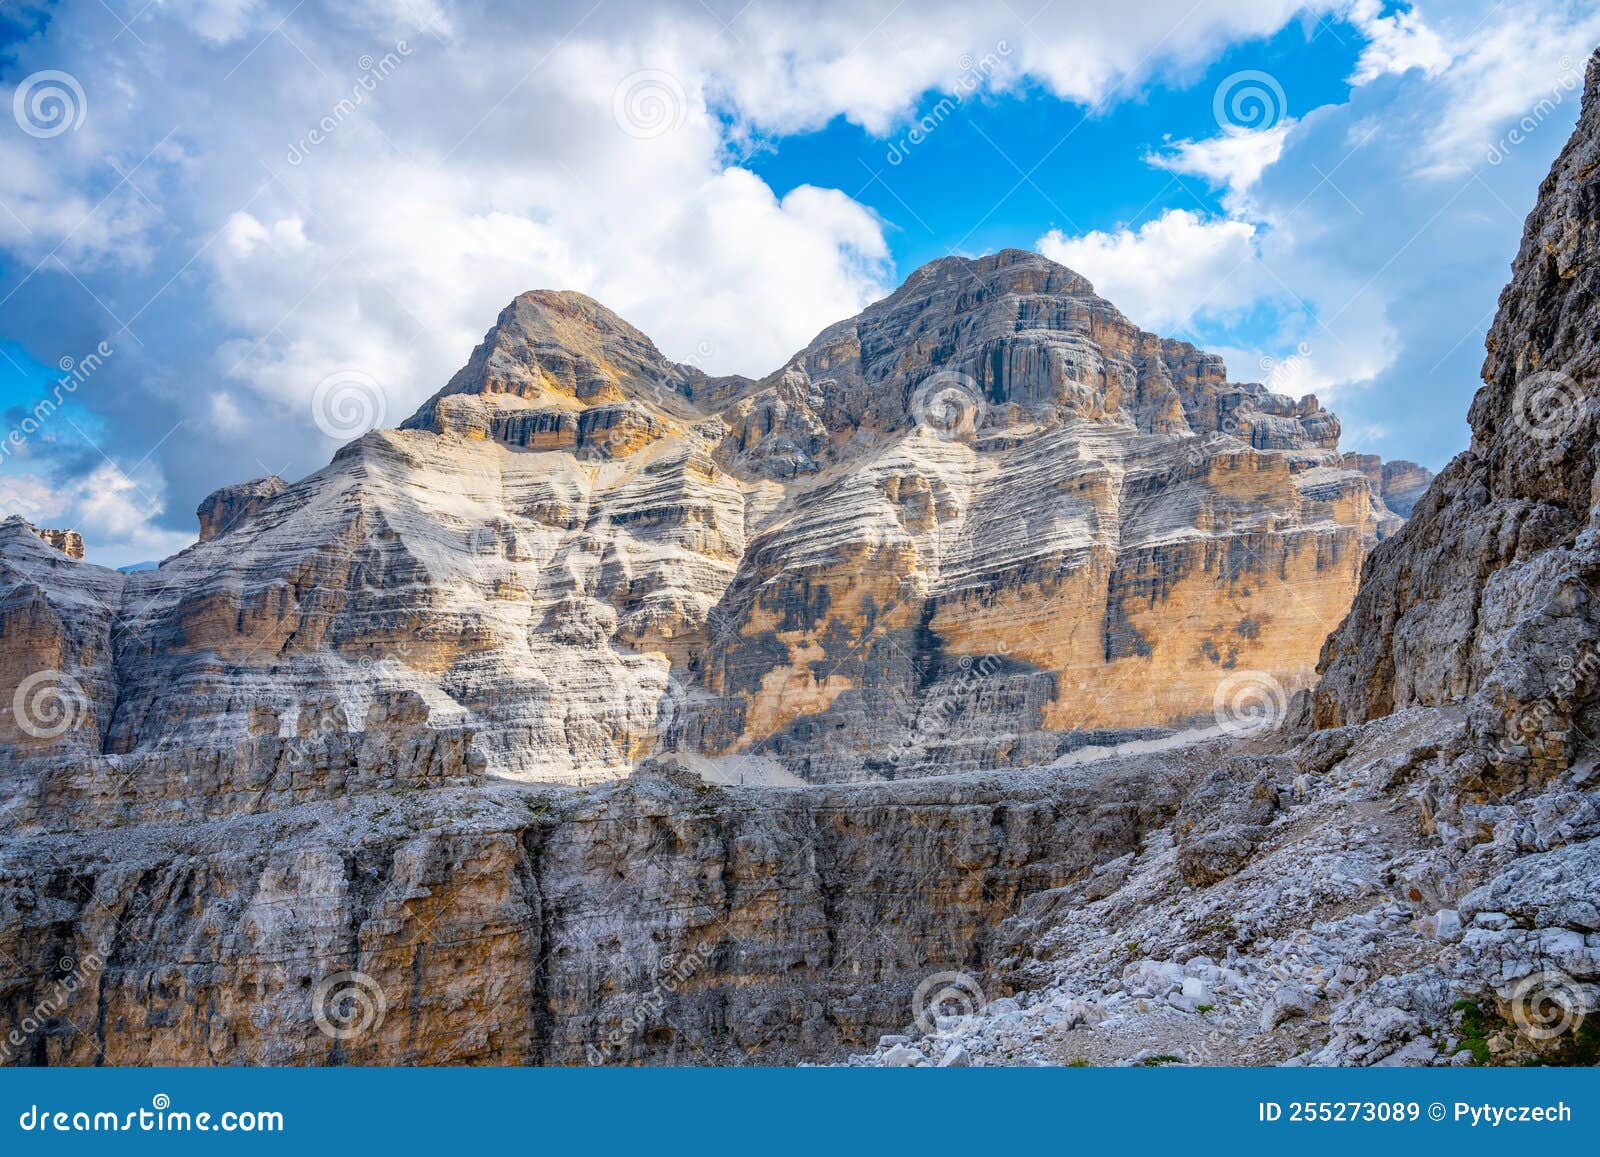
x,y
1407,872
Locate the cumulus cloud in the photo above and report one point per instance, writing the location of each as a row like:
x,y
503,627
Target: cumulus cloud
x,y
1395,43
1170,270
1234,160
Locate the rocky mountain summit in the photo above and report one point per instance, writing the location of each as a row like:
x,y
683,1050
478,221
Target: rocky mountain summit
x,y
984,523
285,817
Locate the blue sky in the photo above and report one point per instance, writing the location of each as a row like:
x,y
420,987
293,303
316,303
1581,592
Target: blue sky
x,y
950,191
247,199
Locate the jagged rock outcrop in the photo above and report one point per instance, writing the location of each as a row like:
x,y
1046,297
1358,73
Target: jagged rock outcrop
x,y
220,510
1485,595
68,542
984,523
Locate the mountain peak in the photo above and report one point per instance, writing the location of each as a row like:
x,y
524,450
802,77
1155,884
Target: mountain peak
x,y
560,349
1008,271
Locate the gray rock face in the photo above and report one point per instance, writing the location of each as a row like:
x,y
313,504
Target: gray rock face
x,y
229,506
986,523
1485,594
659,920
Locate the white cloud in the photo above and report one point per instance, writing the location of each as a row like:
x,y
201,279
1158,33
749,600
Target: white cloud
x,y
1234,160
1523,65
113,509
1170,270
1395,43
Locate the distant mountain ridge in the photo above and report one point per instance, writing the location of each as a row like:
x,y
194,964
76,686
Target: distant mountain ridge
x,y
583,553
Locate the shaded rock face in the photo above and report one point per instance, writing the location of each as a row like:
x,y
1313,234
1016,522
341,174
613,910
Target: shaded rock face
x,y
1486,595
659,921
985,522
222,509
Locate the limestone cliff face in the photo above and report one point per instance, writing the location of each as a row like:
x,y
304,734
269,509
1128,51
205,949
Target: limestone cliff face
x,y
1486,594
984,522
662,920
225,507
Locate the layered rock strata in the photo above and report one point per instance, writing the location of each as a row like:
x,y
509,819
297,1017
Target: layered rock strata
x,y
984,523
